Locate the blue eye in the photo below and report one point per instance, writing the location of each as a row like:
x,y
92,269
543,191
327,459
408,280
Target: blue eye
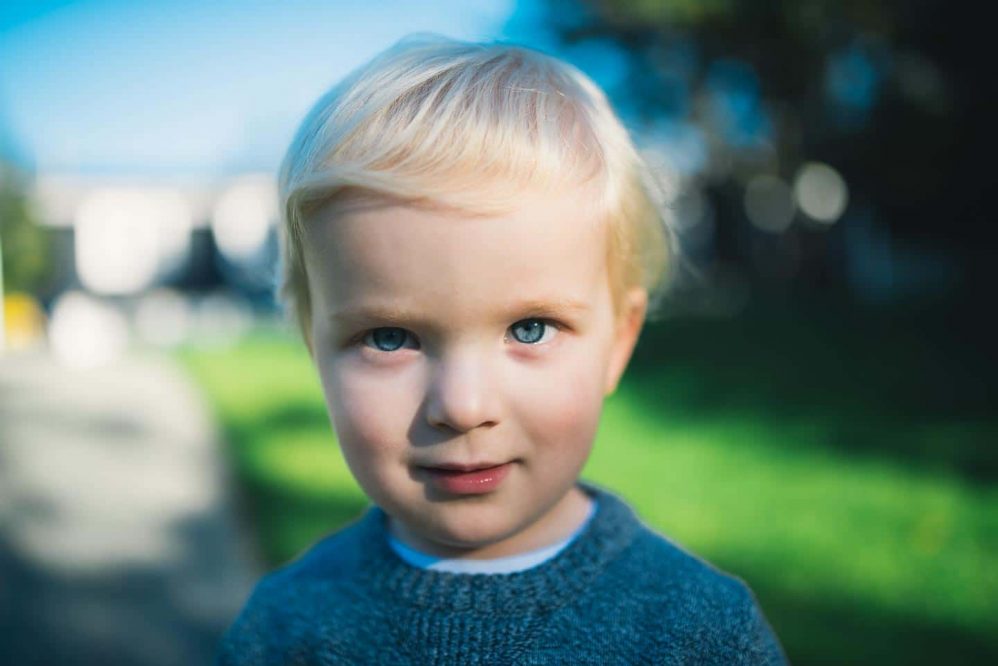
x,y
529,331
386,339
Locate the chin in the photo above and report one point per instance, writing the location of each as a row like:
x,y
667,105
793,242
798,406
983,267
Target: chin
x,y
471,529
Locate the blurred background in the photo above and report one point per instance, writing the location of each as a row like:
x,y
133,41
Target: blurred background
x,y
813,410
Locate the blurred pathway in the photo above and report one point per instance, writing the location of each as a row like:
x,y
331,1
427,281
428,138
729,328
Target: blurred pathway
x,y
118,543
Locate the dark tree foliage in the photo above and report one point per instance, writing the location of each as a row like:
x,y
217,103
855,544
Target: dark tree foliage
x,y
897,96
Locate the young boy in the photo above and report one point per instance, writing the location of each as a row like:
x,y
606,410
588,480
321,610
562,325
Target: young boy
x,y
470,242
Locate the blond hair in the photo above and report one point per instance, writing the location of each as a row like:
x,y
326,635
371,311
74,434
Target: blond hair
x,y
470,127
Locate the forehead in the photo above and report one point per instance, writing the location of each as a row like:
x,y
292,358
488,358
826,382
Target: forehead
x,y
548,248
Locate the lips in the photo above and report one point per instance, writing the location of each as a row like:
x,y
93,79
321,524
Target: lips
x,y
468,479
458,467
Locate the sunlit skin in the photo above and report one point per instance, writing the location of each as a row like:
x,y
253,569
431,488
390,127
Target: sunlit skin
x,y
447,338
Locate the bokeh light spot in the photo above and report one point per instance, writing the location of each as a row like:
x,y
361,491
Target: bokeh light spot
x,y
125,236
243,216
821,192
85,332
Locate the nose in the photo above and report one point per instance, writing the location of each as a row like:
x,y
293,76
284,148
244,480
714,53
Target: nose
x,y
460,395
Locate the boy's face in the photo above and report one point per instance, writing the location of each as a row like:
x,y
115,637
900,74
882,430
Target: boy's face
x,y
449,339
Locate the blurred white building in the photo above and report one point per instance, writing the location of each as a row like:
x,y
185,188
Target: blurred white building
x,y
159,259
128,234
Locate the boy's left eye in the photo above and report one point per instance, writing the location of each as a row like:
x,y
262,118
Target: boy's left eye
x,y
532,331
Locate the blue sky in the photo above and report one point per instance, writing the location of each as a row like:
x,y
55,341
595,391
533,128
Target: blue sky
x,y
191,87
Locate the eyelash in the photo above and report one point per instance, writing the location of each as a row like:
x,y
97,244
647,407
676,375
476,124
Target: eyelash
x,y
363,338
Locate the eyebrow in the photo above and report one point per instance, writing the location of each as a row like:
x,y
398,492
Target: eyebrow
x,y
564,307
549,308
371,312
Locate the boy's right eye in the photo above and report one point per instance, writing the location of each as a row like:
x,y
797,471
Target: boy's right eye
x,y
386,339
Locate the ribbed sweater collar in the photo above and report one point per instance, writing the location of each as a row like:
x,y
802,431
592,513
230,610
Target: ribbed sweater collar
x,y
547,586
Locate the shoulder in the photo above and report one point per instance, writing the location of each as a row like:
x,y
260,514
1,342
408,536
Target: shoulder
x,y
695,607
280,618
673,572
330,562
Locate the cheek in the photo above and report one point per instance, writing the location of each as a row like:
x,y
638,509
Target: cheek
x,y
371,412
563,412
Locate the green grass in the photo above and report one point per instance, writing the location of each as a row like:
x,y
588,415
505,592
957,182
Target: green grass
x,y
827,464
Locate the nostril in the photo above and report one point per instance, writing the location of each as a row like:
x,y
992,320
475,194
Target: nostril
x,y
459,416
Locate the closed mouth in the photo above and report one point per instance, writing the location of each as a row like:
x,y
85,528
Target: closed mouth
x,y
457,467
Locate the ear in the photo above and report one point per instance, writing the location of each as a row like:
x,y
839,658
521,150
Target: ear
x,y
625,337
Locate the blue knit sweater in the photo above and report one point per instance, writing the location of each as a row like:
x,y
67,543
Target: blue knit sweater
x,y
619,594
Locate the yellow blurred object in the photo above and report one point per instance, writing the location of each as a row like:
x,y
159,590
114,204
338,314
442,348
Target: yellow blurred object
x,y
23,320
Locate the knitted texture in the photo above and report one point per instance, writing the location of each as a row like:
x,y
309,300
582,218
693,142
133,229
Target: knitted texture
x,y
619,594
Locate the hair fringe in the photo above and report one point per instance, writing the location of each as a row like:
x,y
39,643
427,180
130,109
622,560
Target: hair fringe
x,y
465,126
